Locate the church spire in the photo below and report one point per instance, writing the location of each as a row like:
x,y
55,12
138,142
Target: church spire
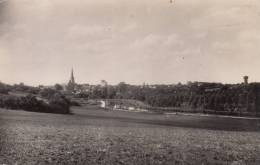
x,y
72,84
72,79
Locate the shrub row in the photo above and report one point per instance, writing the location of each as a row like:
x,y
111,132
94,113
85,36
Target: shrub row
x,y
56,104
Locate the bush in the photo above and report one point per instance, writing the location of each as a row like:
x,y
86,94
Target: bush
x,y
59,104
75,103
56,104
31,103
4,89
9,102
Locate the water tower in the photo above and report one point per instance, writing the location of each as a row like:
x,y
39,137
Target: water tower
x,y
245,80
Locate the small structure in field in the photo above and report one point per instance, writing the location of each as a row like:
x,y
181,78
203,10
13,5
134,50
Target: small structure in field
x,y
103,104
245,80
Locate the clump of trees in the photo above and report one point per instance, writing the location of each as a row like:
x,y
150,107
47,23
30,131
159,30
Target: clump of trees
x,y
25,88
4,88
56,104
59,103
38,100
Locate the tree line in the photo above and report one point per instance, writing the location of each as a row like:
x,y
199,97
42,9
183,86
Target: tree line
x,y
193,95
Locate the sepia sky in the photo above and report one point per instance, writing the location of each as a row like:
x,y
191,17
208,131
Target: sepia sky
x,y
135,41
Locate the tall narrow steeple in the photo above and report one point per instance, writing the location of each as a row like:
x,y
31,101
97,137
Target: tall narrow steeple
x,y
72,84
72,79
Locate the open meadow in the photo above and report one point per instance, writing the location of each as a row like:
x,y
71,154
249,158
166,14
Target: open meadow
x,y
94,136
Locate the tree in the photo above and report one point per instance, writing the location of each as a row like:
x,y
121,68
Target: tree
x,y
47,93
58,87
59,104
4,89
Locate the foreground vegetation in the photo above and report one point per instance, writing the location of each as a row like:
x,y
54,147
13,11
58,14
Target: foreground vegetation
x,y
93,136
33,99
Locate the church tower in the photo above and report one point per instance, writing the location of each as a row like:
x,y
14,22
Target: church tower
x,y
72,79
72,84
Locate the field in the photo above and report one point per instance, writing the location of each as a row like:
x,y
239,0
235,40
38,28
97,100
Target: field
x,y
93,136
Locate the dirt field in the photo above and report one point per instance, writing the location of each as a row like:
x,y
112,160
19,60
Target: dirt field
x,y
92,136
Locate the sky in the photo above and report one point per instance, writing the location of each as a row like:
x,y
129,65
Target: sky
x,y
152,41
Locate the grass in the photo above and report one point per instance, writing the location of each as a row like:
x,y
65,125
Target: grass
x,y
93,136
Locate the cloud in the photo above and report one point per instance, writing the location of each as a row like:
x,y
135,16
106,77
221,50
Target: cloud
x,y
155,41
129,27
88,32
4,55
